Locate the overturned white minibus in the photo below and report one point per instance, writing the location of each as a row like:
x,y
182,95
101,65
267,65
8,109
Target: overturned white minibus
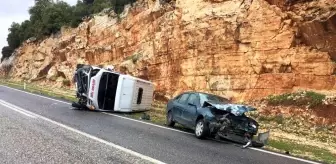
x,y
105,90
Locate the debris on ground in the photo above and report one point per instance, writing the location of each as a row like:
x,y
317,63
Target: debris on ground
x,y
145,116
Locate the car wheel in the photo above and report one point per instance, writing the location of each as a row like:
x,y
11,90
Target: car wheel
x,y
257,144
202,129
170,120
76,106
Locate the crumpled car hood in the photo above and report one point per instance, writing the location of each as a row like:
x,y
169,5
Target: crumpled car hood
x,y
235,109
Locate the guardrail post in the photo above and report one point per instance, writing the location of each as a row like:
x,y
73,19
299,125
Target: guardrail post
x,y
24,85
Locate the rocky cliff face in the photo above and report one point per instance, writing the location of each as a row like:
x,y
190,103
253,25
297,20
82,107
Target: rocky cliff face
x,y
242,49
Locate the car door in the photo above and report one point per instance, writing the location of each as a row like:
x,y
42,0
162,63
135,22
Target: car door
x,y
189,113
179,107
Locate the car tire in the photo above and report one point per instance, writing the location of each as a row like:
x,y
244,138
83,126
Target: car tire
x,y
257,144
201,129
170,120
76,106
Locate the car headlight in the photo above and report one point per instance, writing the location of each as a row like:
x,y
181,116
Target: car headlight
x,y
253,125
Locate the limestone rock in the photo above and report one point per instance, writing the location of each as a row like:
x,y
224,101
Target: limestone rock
x,y
52,74
244,49
39,57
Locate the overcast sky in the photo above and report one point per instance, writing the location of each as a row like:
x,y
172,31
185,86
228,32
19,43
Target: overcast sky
x,y
15,11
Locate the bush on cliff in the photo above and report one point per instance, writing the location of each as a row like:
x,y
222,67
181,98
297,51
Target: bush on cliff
x,y
6,52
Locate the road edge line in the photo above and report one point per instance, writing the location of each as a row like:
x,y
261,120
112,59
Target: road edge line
x,y
283,155
16,110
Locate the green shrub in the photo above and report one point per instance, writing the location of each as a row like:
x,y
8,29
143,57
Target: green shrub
x,y
262,118
304,98
279,119
66,82
316,98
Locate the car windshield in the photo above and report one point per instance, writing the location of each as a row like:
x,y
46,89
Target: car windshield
x,y
213,98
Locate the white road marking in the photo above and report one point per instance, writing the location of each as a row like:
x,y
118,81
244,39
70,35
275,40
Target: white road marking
x,y
282,155
86,135
256,149
16,109
273,153
14,106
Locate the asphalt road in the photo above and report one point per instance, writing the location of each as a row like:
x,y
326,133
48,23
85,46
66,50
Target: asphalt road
x,y
53,133
25,139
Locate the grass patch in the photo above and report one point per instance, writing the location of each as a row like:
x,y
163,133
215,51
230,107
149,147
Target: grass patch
x,y
312,99
66,82
295,125
304,151
279,119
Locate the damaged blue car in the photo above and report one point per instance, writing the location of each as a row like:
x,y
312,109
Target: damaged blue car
x,y
212,116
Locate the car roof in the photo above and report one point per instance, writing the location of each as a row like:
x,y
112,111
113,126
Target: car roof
x,y
198,92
